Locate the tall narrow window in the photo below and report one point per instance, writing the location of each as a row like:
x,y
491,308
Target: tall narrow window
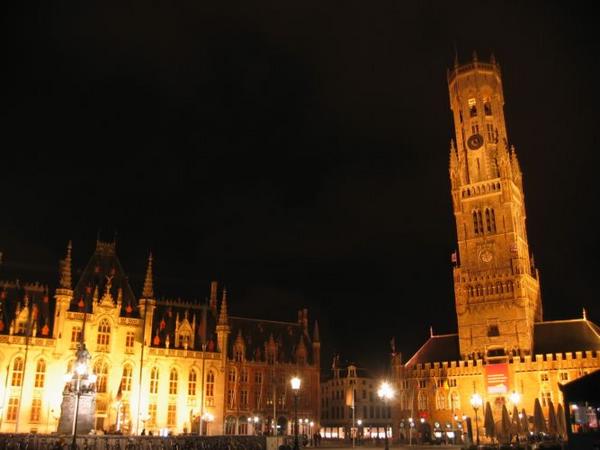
x,y
472,107
487,107
129,340
210,384
13,407
488,221
40,374
454,400
244,375
493,217
101,371
192,383
475,224
75,334
172,415
36,408
479,221
17,375
440,399
152,414
173,377
154,380
103,335
422,401
126,379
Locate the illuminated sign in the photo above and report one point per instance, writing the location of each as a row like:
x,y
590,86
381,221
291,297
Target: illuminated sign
x,y
496,377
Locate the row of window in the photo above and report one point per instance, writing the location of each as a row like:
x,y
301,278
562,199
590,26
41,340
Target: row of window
x,y
498,288
103,337
490,221
18,370
174,382
371,412
481,189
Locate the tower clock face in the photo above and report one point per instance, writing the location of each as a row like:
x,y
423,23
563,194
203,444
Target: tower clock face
x,y
486,256
475,141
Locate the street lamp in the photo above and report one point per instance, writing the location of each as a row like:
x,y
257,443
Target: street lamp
x,y
295,387
385,392
476,402
80,381
255,419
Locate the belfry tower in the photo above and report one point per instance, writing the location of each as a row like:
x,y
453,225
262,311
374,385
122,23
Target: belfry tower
x,y
496,284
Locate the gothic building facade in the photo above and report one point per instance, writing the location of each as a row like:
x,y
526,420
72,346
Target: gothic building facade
x,y
160,365
503,350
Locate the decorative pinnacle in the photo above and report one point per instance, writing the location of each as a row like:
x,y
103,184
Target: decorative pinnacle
x,y
223,318
65,273
316,332
148,291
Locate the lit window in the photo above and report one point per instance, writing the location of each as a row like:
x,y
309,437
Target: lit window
x,y
172,415
544,377
13,406
103,335
154,380
36,408
244,376
244,398
232,376
126,379
129,340
152,414
40,374
472,107
422,401
17,375
210,386
173,377
192,383
440,400
564,376
75,334
258,377
101,371
454,400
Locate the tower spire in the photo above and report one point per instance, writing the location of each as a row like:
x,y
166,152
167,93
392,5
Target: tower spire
x,y
148,291
316,332
223,317
65,273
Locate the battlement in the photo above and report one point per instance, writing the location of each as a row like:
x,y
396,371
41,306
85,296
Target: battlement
x,y
474,66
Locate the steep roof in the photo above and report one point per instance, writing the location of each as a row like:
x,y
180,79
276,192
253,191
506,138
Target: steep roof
x,y
560,336
257,333
437,349
104,270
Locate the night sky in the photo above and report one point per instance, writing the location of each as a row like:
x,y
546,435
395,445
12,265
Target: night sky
x,y
295,151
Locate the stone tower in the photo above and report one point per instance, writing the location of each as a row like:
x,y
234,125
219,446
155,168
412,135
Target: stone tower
x,y
496,284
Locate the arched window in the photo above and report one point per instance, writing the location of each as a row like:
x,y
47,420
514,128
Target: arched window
x,y
126,379
243,425
154,380
210,384
192,383
475,225
422,401
244,375
470,291
493,217
17,375
103,334
499,287
40,374
472,107
231,375
509,286
230,423
487,107
479,222
488,222
101,371
479,290
454,400
440,399
173,377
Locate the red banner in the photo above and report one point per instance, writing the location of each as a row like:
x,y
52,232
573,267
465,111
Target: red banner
x,y
496,378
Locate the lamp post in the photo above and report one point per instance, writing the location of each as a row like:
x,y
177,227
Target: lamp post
x,y
476,402
515,398
203,385
208,418
385,392
80,381
295,387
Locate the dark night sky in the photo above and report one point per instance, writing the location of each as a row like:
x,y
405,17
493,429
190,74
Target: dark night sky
x,y
296,151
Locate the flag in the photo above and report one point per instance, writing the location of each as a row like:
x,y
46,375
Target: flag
x,y
454,257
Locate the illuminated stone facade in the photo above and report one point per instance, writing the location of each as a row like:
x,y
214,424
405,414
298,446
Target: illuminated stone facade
x,y
502,345
160,364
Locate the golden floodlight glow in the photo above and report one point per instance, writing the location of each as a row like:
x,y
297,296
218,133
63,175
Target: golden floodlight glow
x,y
476,400
295,383
385,391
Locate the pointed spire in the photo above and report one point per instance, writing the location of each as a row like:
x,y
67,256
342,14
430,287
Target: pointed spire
x,y
223,318
65,275
584,314
475,58
431,331
316,332
455,56
148,291
493,59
